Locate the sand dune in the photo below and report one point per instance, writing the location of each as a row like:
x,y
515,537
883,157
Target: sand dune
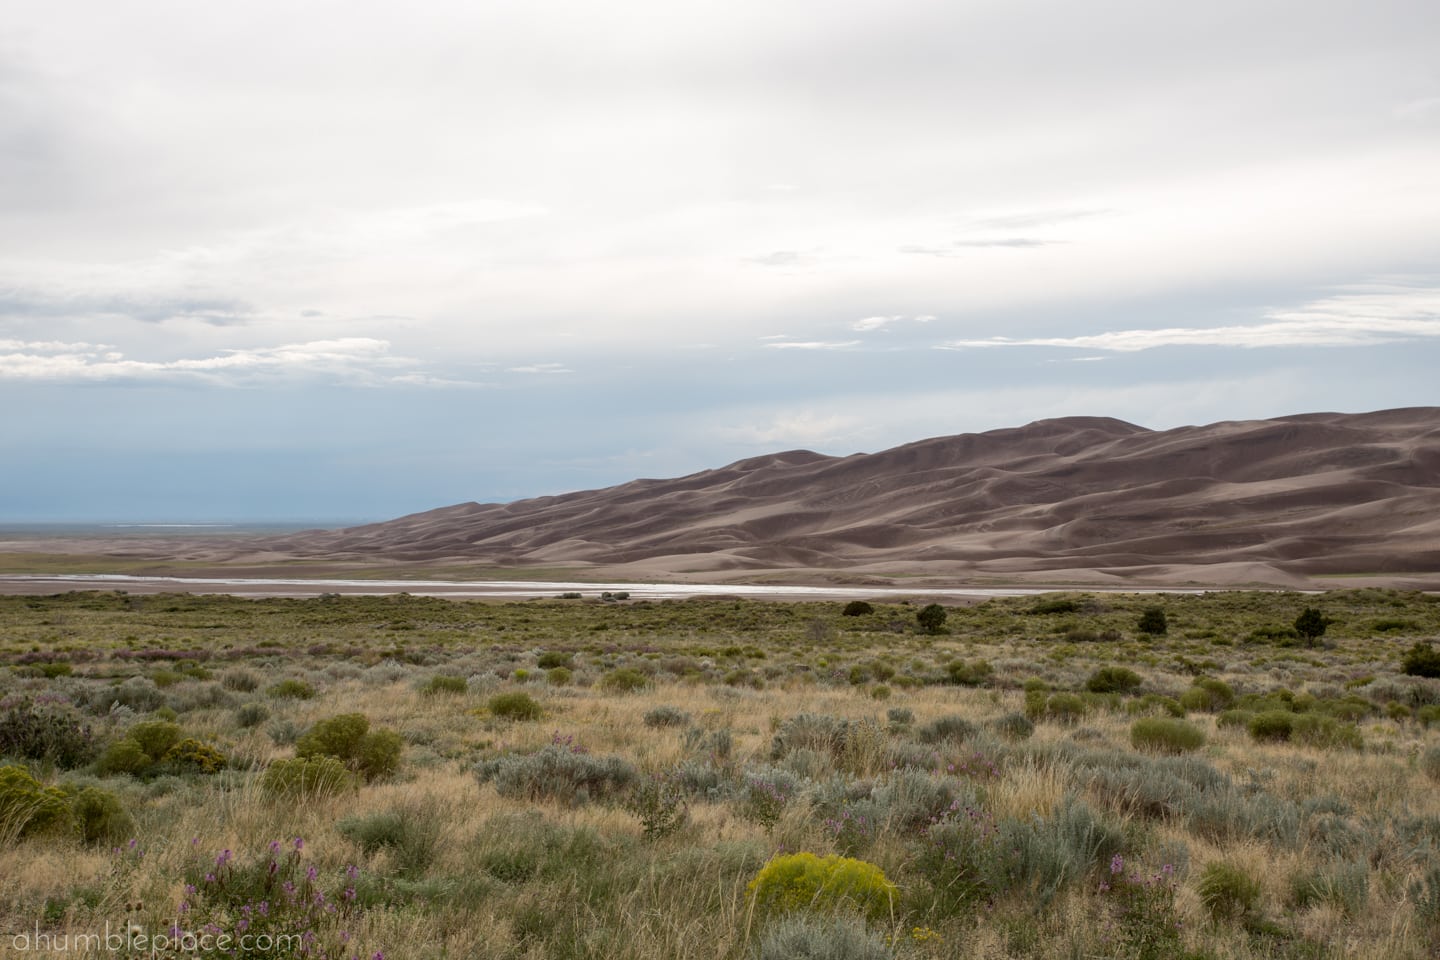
x,y
1078,498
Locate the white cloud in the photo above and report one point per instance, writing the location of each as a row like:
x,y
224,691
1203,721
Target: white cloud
x,y
541,368
1358,317
352,359
869,324
52,346
813,344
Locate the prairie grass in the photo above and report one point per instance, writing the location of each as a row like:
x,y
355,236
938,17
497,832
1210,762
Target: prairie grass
x,y
622,807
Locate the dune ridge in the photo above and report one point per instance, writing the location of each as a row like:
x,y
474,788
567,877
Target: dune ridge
x,y
1276,500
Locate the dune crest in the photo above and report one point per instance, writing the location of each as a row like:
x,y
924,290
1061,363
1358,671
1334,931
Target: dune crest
x,y
1282,500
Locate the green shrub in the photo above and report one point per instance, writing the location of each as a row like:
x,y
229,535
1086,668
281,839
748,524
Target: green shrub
x,y
374,754
123,756
443,684
1050,607
29,809
315,778
1235,718
377,756
193,756
624,680
931,619
1153,622
1166,735
1153,703
551,659
514,705
805,882
1325,732
558,676
557,772
338,736
1065,708
973,674
1430,763
155,737
50,734
1422,660
802,937
1113,680
292,690
252,715
666,717
857,608
1227,891
1272,725
1208,694
100,817
1311,624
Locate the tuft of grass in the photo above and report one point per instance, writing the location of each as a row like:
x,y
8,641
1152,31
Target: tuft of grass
x,y
666,716
443,684
1228,891
1430,763
515,705
317,778
1166,735
291,689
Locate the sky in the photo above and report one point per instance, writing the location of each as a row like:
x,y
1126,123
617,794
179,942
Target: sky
x,y
347,261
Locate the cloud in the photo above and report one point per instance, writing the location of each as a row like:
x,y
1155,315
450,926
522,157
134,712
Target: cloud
x,y
360,360
541,368
147,307
52,346
812,344
869,324
1358,317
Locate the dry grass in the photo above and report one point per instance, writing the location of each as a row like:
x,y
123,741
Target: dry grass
x,y
507,878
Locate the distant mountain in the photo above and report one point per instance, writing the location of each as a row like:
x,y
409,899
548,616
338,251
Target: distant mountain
x,y
1264,500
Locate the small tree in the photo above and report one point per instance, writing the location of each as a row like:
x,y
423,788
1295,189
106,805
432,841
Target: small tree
x,y
1423,660
932,618
1311,624
1153,622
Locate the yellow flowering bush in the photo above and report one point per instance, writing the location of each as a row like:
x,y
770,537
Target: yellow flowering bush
x,y
803,881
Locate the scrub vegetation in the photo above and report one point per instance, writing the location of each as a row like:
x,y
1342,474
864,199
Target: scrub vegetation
x,y
1222,775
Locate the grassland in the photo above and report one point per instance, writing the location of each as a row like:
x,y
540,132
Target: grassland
x,y
572,778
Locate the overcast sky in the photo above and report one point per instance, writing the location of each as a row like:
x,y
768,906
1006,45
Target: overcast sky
x,y
326,260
